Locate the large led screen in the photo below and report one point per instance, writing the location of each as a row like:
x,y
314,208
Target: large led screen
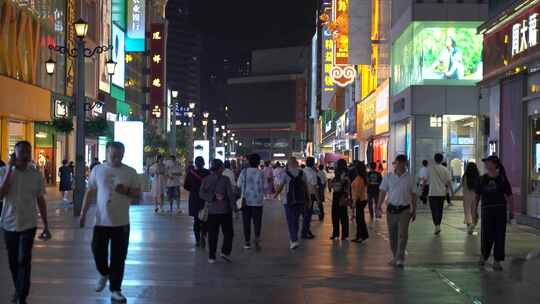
x,y
202,148
130,133
437,53
119,55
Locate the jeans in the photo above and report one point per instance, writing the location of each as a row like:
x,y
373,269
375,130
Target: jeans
x,y
199,229
373,199
215,222
436,204
398,233
119,240
339,217
424,196
19,249
493,232
292,212
307,215
361,227
249,214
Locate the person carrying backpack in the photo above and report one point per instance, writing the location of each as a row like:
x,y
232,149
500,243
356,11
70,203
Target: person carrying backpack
x,y
340,200
295,199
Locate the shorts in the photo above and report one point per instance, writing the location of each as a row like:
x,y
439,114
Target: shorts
x,y
173,192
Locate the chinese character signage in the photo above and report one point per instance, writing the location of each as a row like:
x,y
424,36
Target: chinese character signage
x,y
327,60
157,67
508,43
118,56
135,25
342,73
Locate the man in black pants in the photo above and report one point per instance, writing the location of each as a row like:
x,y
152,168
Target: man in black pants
x,y
374,180
22,188
439,185
117,185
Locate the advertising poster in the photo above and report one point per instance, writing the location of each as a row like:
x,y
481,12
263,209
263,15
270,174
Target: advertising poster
x,y
119,56
202,148
437,53
130,133
382,120
365,119
135,25
104,80
220,153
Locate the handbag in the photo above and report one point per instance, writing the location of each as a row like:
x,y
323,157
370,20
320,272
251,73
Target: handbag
x,y
203,213
241,202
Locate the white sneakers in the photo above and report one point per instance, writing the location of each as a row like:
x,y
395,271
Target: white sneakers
x,y
101,283
294,245
211,261
226,257
118,297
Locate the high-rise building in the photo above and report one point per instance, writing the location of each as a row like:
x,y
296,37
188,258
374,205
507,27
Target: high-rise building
x,y
184,47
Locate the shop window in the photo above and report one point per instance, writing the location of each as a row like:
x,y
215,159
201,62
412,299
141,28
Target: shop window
x,y
534,136
533,84
16,133
459,143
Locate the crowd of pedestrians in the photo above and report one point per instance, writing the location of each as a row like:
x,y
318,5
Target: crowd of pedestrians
x,y
215,196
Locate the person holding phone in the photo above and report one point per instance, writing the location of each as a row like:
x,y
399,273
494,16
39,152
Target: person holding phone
x,y
22,188
117,185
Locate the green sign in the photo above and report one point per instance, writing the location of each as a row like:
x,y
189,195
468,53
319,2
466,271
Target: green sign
x,y
118,93
43,135
437,53
122,108
119,13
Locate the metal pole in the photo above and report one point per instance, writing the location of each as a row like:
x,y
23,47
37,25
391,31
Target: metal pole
x,y
80,165
172,135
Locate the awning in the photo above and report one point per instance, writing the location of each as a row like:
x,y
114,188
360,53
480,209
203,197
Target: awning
x,y
24,101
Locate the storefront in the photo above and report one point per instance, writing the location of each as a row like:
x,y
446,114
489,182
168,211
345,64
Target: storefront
x,y
435,106
365,125
512,86
382,126
45,151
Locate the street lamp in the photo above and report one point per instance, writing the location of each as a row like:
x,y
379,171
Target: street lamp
x,y
223,127
174,94
205,115
192,105
80,52
214,121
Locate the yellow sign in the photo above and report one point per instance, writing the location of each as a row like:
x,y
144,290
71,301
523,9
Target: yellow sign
x,y
156,58
156,35
156,82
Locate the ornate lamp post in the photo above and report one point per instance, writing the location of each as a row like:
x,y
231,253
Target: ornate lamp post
x,y
80,52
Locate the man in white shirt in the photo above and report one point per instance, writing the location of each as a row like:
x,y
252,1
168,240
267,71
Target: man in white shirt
x,y
117,185
173,173
439,185
313,189
423,181
399,186
22,188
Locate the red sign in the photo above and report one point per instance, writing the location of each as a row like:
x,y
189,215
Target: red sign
x,y
511,44
157,69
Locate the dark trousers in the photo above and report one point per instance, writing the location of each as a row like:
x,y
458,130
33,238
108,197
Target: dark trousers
x,y
252,214
424,196
321,202
339,216
436,203
118,237
307,215
373,199
292,212
361,227
199,229
19,248
493,232
215,222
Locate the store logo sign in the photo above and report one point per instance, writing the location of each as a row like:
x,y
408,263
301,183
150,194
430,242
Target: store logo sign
x,y
525,34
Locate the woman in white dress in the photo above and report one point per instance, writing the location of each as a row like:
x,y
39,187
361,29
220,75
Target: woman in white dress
x,y
157,174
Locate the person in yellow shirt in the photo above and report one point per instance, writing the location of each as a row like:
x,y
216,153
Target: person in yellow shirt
x,y
360,199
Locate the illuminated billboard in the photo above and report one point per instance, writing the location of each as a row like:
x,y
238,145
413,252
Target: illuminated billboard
x,y
382,119
202,148
104,81
365,118
135,33
130,133
437,53
118,55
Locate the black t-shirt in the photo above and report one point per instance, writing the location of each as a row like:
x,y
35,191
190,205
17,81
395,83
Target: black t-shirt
x,y
493,190
374,180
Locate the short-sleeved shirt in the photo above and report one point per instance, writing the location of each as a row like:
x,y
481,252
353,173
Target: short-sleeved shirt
x,y
374,180
399,189
251,184
173,172
19,211
439,177
424,174
112,208
493,191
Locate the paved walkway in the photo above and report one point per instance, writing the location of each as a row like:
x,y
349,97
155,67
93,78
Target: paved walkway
x,y
163,266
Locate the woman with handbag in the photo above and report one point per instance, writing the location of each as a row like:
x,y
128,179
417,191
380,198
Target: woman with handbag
x,y
192,183
251,185
340,200
216,190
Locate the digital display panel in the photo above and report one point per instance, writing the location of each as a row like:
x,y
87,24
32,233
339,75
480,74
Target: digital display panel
x,y
118,56
202,148
130,133
135,26
437,53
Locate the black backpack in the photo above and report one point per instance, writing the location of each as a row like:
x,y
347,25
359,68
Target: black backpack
x,y
297,190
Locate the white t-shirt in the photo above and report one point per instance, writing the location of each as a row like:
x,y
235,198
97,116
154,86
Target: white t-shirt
x,y
439,177
112,208
399,189
20,203
424,174
173,173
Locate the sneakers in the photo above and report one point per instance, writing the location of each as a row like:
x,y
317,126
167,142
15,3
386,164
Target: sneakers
x,y
101,283
437,230
294,245
247,246
497,266
400,264
211,261
118,297
226,257
334,238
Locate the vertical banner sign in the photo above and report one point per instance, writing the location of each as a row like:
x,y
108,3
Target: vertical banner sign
x,y
70,44
327,59
135,25
104,81
157,68
119,56
342,72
